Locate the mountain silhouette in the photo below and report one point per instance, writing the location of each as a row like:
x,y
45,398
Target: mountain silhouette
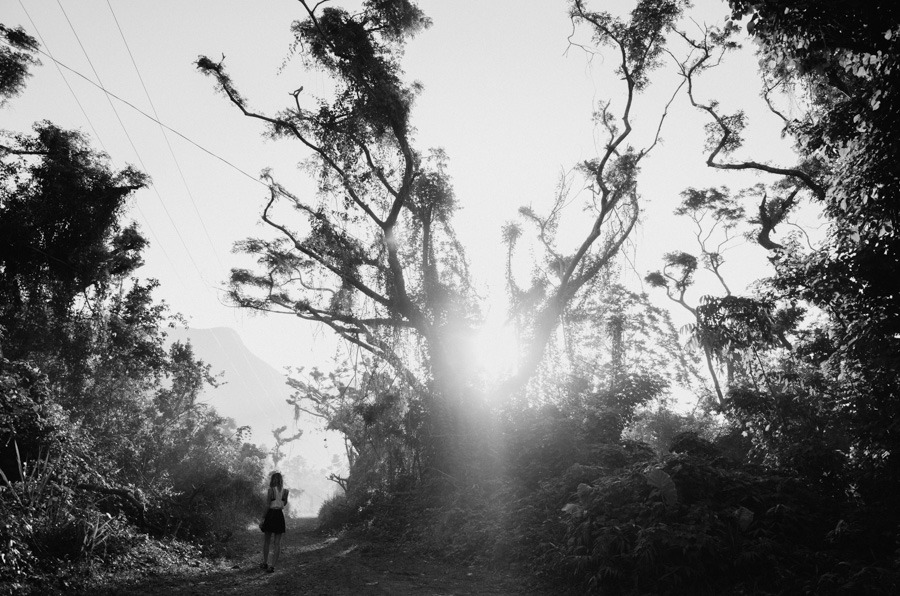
x,y
251,391
254,393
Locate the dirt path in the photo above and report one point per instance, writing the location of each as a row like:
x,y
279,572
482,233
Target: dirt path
x,y
313,564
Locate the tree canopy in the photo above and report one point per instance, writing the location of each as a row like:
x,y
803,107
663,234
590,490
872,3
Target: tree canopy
x,y
780,475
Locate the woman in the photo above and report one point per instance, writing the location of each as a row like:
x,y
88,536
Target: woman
x,y
273,522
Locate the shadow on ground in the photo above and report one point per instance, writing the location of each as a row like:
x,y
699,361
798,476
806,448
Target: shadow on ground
x,y
314,564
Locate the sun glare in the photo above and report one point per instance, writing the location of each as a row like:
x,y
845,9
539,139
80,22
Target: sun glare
x,y
495,349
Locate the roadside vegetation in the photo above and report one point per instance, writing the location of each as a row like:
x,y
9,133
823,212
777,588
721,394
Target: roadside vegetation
x,y
575,466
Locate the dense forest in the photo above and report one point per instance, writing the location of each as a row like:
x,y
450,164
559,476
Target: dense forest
x,y
576,464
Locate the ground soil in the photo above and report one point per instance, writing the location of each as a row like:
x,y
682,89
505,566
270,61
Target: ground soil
x,y
312,563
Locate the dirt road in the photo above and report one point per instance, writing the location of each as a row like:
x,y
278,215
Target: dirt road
x,y
313,564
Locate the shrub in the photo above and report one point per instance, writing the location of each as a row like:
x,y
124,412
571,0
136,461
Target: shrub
x,y
48,525
335,512
659,426
700,524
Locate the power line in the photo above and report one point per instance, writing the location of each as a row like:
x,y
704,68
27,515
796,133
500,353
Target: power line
x,y
190,196
133,146
181,173
165,136
65,80
173,131
96,134
148,116
164,127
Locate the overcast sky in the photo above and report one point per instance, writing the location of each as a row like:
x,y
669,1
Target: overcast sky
x,y
504,95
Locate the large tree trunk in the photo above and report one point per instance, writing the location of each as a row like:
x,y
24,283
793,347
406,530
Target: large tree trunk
x,y
461,424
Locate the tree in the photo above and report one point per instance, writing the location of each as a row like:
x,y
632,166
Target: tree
x,y
381,425
16,57
715,215
845,57
60,241
280,442
60,231
376,259
611,180
381,267
840,373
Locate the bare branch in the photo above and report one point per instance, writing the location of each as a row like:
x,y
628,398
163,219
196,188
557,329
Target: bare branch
x,y
728,134
341,273
279,124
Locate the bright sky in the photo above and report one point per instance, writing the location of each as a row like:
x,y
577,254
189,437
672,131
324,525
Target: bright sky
x,y
503,94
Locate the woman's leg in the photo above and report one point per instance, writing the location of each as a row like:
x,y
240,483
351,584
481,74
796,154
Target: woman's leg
x,y
266,547
277,549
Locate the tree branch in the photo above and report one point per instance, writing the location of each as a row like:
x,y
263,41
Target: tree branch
x,y
727,133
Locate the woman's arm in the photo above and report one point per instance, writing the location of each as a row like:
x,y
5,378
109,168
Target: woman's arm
x,y
269,497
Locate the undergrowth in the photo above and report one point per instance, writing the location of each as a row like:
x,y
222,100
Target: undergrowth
x,y
58,538
624,521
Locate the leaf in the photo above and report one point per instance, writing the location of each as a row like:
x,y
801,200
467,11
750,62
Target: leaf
x,y
744,518
662,482
573,509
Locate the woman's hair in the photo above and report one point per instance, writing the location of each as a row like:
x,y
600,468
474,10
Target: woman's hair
x,y
276,481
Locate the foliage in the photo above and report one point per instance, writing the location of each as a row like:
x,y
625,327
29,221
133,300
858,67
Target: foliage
x,y
16,57
659,426
619,352
102,438
788,384
335,513
540,443
60,225
27,412
168,466
380,419
697,524
638,337
563,274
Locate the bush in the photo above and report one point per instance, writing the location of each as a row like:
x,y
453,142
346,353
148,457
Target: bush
x,y
697,524
539,443
50,527
335,513
659,426
509,520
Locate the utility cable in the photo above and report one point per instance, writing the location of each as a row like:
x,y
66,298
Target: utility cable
x,y
96,134
99,85
165,136
187,189
133,146
63,76
175,132
149,117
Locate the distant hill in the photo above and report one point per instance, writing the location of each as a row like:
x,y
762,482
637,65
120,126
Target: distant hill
x,y
252,392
